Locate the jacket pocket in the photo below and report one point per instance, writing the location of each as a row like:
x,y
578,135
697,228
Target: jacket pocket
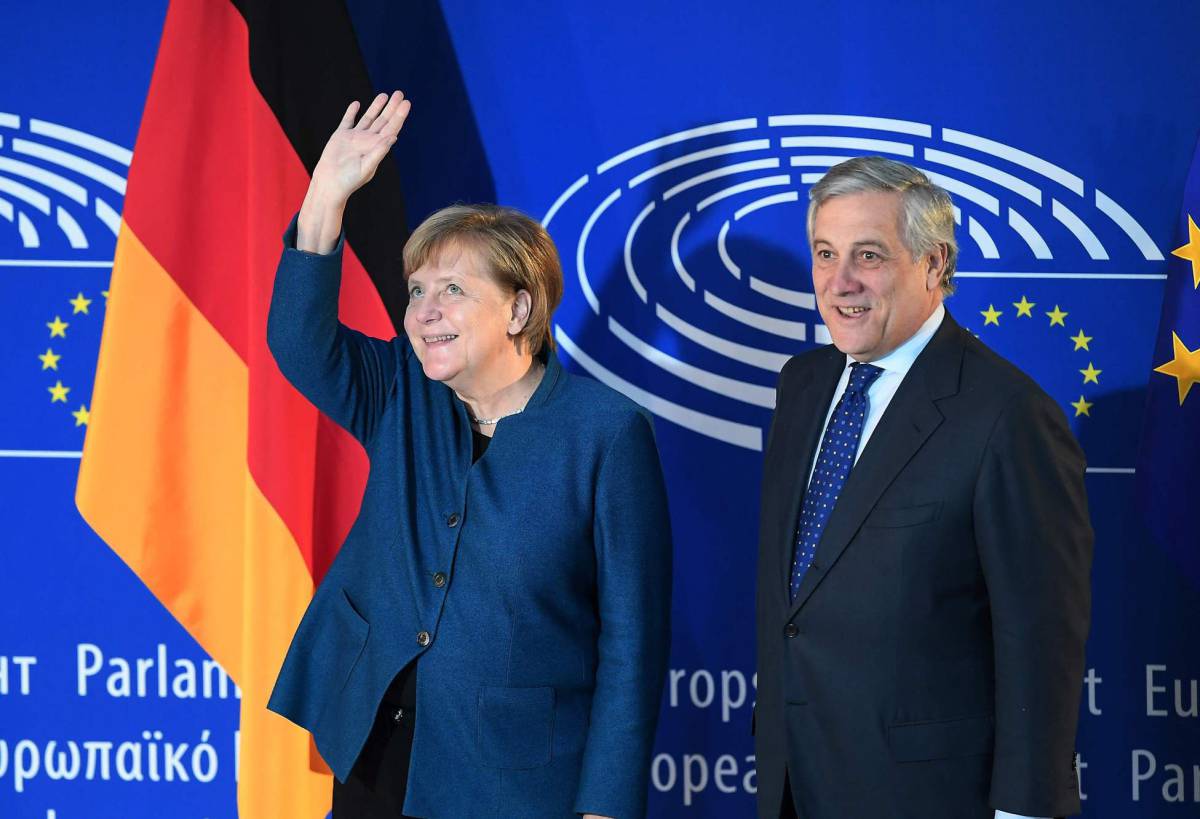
x,y
516,727
921,741
340,646
902,516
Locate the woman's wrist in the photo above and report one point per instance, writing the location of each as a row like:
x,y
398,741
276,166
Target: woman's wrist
x,y
320,221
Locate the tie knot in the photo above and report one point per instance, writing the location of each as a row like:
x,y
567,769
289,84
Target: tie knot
x,y
862,376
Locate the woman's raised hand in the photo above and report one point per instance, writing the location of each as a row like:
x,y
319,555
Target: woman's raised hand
x,y
356,149
348,162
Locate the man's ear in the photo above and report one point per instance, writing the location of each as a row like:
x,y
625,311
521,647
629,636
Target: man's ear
x,y
935,266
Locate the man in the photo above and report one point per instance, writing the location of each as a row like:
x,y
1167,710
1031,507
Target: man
x,y
923,593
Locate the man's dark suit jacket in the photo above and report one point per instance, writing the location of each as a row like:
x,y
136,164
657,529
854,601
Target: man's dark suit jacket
x,y
932,663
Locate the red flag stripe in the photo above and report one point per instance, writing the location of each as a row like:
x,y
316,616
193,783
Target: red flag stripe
x,y
210,204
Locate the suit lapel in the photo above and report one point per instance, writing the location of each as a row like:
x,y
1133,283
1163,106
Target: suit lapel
x,y
911,417
801,437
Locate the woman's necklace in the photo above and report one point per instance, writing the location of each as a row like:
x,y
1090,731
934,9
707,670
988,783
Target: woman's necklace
x,y
487,422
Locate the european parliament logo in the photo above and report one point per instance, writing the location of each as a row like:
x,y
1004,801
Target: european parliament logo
x,y
61,195
687,266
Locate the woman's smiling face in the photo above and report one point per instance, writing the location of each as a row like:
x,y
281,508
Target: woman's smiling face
x,y
459,320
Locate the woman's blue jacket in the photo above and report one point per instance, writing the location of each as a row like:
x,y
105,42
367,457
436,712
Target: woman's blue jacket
x,y
534,584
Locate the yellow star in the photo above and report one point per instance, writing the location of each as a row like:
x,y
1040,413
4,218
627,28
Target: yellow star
x,y
1082,407
80,304
1024,307
1056,316
991,316
58,327
1081,341
49,359
105,294
58,392
1091,374
1184,367
1191,252
82,416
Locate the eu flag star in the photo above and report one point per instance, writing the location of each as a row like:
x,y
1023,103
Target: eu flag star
x,y
58,392
1024,307
991,316
1191,252
1081,341
1184,367
49,359
58,328
1091,375
1057,315
79,304
82,416
1082,407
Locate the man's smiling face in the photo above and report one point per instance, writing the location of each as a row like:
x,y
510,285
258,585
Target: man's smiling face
x,y
871,292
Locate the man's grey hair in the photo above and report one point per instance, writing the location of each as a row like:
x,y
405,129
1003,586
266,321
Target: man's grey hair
x,y
926,216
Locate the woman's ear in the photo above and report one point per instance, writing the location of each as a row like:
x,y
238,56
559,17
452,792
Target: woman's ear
x,y
522,304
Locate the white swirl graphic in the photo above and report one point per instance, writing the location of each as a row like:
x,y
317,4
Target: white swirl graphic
x,y
671,260
59,185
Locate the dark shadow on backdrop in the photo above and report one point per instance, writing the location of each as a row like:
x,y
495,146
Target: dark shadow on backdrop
x,y
440,153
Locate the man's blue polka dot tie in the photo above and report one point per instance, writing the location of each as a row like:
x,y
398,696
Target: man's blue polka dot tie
x,y
838,449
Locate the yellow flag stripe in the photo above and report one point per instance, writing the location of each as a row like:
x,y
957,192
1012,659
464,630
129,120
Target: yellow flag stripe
x,y
164,481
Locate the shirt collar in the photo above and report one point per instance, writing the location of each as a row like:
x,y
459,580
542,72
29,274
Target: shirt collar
x,y
901,359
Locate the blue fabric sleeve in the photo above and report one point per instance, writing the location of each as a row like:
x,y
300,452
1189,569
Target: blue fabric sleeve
x,y
632,534
346,374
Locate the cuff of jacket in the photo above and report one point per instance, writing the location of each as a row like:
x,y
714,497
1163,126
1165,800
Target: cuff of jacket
x,y
289,243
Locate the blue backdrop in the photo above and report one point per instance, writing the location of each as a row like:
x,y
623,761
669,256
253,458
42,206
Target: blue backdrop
x,y
669,148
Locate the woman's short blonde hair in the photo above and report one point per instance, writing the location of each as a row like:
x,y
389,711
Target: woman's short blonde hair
x,y
515,249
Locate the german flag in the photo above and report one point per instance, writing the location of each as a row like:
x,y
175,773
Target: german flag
x,y
224,490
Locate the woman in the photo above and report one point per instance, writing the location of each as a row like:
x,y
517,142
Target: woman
x,y
492,637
